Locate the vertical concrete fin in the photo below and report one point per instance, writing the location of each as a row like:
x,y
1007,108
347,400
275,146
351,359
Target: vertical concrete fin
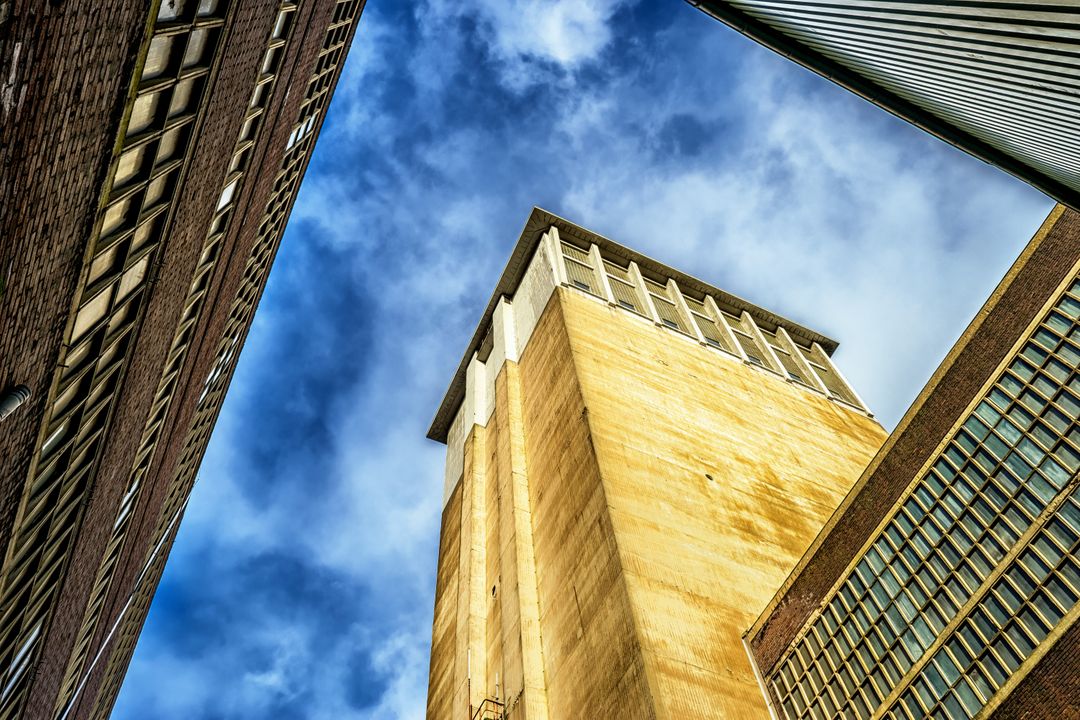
x,y
534,695
470,673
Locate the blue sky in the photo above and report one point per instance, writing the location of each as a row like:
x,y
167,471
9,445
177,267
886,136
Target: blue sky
x,y
301,585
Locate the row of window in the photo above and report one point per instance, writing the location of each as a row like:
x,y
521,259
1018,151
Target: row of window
x,y
270,230
75,674
996,477
330,55
726,329
155,142
136,608
1027,601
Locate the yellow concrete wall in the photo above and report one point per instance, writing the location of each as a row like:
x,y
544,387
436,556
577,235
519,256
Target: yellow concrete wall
x,y
592,656
702,557
444,627
623,577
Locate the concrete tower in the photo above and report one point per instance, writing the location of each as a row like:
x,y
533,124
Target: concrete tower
x,y
635,462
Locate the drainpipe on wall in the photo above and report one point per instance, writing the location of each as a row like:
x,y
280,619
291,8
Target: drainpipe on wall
x,y
12,399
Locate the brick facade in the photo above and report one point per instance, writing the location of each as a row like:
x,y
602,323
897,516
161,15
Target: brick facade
x,y
68,69
61,96
1051,690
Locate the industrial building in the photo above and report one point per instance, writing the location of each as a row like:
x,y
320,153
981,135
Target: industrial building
x,y
946,586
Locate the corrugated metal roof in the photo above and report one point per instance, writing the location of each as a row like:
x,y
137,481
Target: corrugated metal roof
x,y
1000,80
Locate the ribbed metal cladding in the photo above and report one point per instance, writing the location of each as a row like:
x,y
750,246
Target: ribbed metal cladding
x,y
1000,80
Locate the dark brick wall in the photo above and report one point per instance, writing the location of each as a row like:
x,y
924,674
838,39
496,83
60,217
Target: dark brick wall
x,y
977,359
179,254
193,208
1051,691
63,84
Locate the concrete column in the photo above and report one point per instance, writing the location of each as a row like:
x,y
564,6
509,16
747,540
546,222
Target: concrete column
x,y
766,348
555,246
601,274
684,310
475,401
725,329
808,372
643,293
822,358
505,333
470,675
533,703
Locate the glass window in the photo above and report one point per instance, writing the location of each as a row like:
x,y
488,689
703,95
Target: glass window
x,y
159,190
227,194
171,10
159,58
210,7
622,286
92,312
146,233
579,269
145,113
664,305
106,263
199,48
172,145
258,96
281,26
21,660
754,352
270,61
132,278
184,97
132,165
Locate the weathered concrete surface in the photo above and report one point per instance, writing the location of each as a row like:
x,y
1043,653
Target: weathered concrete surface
x,y
632,505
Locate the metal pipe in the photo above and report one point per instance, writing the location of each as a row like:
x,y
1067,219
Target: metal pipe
x,y
12,399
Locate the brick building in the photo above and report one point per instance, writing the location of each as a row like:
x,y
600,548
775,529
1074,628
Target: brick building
x,y
151,152
947,584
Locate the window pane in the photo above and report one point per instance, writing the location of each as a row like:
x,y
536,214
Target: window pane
x,y
159,56
132,164
145,114
92,312
198,49
132,278
171,10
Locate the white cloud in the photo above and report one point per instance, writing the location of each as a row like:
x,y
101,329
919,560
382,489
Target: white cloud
x,y
403,658
815,215
530,38
289,663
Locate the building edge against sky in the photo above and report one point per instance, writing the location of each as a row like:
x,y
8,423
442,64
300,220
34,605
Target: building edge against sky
x,y
999,80
159,156
635,461
947,584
